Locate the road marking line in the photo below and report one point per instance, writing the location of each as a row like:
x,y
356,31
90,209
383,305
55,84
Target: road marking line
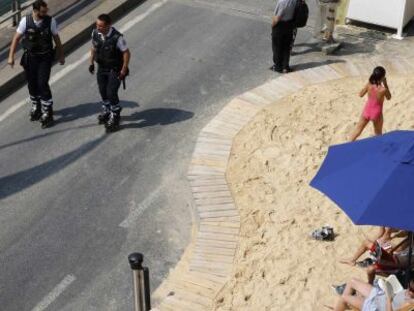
x,y
69,68
55,293
133,216
144,15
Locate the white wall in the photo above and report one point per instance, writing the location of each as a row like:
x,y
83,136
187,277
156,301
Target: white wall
x,y
385,13
388,13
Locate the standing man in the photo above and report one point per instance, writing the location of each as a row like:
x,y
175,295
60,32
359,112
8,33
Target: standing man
x,y
110,51
320,20
328,10
38,31
282,34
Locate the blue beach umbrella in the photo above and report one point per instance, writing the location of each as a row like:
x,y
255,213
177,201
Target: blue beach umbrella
x,y
372,180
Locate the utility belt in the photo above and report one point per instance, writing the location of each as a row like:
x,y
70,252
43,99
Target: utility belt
x,y
49,55
102,68
115,71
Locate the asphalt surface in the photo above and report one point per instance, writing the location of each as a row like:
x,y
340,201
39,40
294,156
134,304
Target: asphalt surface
x,y
74,201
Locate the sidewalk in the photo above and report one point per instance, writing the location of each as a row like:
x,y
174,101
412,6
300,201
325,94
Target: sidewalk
x,y
7,30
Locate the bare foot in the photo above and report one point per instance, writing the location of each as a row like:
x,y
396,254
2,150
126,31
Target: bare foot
x,y
328,307
349,262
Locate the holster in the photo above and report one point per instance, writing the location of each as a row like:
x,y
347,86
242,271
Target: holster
x,y
23,60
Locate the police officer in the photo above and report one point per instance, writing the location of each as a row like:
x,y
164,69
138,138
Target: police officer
x,y
38,31
109,50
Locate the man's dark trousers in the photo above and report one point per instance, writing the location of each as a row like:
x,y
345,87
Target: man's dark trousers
x,y
282,36
109,84
37,68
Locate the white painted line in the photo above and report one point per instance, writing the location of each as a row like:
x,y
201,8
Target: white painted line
x,y
69,68
55,293
133,216
141,17
12,109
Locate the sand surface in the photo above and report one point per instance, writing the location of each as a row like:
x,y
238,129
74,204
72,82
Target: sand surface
x,y
278,267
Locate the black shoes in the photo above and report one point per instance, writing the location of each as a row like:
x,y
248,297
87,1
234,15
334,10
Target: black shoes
x,y
103,117
46,119
110,117
112,125
41,113
276,69
35,112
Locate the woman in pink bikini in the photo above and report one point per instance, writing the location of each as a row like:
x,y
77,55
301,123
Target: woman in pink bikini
x,y
377,90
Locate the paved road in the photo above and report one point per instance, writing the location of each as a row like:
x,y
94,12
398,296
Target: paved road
x,y
75,201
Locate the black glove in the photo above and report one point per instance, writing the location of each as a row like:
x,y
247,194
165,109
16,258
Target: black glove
x,y
92,68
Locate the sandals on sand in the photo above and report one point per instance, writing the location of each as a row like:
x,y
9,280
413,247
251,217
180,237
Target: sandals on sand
x,y
326,233
365,263
339,289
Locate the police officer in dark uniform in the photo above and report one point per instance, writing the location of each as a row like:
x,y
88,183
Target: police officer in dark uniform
x,y
109,50
38,31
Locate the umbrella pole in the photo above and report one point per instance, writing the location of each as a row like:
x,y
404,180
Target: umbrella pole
x,y
408,276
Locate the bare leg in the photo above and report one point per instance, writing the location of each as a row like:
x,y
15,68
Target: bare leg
x,y
319,19
371,274
362,123
330,22
348,299
384,237
366,245
360,286
378,125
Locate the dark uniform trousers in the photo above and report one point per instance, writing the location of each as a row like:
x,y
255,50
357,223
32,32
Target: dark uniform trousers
x,y
282,37
37,68
109,84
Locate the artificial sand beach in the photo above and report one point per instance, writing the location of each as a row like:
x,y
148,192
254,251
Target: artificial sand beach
x,y
278,266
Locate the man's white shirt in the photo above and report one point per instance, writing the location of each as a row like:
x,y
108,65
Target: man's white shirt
x,y
121,44
21,29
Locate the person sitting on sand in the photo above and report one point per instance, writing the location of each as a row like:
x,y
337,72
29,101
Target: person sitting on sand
x,y
366,297
387,261
383,238
399,263
377,90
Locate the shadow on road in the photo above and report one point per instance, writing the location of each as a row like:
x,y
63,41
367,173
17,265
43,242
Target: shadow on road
x,y
17,182
309,65
158,116
70,114
32,138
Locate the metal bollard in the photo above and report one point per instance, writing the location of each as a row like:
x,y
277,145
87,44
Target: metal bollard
x,y
19,10
142,294
14,4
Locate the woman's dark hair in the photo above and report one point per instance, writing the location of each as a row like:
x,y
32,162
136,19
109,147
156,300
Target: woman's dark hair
x,y
38,4
377,75
105,18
